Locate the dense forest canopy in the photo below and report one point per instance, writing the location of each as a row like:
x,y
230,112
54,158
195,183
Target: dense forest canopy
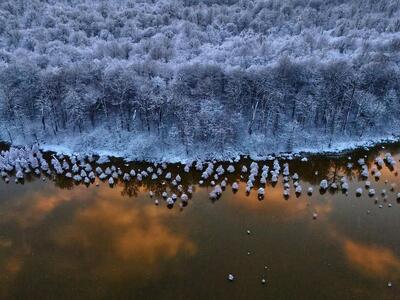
x,y
191,73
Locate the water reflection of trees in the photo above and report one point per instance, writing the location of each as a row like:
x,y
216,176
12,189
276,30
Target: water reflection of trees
x,y
330,167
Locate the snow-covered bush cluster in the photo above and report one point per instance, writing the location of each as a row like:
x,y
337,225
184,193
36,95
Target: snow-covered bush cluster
x,y
195,72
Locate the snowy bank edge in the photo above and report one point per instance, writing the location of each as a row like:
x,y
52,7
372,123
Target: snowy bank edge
x,y
335,149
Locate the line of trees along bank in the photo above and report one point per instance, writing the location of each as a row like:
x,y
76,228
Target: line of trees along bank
x,y
200,72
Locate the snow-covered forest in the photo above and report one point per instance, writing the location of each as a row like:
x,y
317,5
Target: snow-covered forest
x,y
188,76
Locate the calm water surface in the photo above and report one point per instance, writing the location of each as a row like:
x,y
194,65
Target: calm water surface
x,y
59,240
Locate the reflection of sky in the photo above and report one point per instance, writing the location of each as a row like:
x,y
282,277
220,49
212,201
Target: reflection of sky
x,y
134,236
104,231
112,236
372,260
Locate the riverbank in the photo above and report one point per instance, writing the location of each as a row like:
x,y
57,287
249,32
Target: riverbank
x,y
145,148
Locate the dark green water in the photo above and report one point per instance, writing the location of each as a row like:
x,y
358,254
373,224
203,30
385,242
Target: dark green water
x,y
59,240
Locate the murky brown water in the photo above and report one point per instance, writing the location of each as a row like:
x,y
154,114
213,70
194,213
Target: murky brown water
x,y
59,240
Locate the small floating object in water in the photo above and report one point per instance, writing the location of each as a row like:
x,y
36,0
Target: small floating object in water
x,y
111,181
231,277
92,176
190,189
248,253
367,183
368,212
170,201
323,184
298,189
7,180
44,178
83,174
248,232
263,281
274,178
390,205
235,186
184,198
378,175
389,284
164,195
231,169
361,161
315,215
345,186
383,192
286,193
392,187
151,194
213,195
218,190
380,205
261,192
334,186
20,175
310,190
371,192
126,177
223,184
316,173
364,173
156,202
398,196
379,161
359,191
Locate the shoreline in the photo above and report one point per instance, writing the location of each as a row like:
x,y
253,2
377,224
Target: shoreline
x,y
105,155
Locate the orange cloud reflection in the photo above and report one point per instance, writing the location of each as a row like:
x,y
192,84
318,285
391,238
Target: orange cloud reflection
x,y
372,260
112,236
133,234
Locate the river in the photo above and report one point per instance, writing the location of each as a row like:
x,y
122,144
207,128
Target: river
x,y
61,240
